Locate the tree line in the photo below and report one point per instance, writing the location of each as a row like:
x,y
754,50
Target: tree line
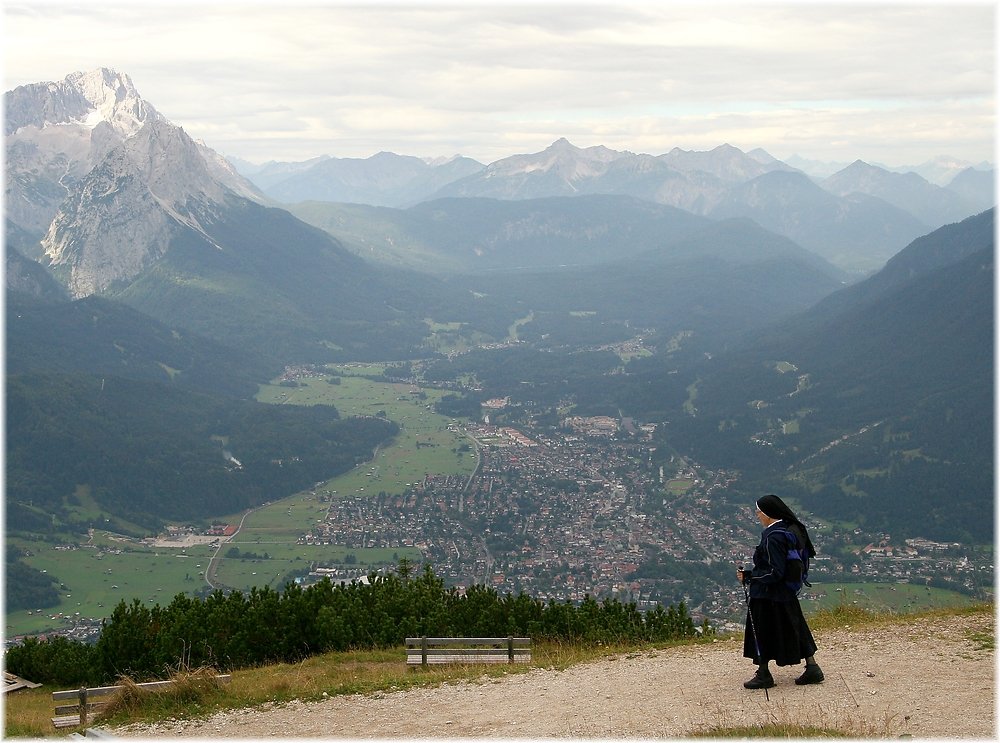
x,y
265,626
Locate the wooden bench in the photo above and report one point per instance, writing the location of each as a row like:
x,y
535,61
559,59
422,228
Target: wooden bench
x,y
93,699
423,651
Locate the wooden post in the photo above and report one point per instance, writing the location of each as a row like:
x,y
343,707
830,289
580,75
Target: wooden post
x,y
510,648
423,651
83,705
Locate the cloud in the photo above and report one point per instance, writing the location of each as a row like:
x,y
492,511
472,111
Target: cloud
x,y
264,81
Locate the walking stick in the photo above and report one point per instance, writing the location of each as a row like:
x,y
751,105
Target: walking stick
x,y
753,629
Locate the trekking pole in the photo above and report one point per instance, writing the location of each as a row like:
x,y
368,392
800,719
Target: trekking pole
x,y
753,629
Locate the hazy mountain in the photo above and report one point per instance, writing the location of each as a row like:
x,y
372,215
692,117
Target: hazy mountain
x,y
817,169
855,232
727,163
711,284
852,230
978,187
931,204
557,171
385,179
271,172
942,169
883,394
472,235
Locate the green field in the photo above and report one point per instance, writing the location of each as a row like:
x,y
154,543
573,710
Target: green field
x,y
898,598
425,444
96,580
284,558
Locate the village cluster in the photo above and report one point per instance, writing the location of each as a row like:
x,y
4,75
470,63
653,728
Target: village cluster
x,y
561,515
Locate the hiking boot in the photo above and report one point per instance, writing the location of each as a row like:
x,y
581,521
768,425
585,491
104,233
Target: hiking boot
x,y
812,675
761,680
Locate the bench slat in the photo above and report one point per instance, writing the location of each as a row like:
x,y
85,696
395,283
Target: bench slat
x,y
69,709
416,660
68,721
416,641
467,651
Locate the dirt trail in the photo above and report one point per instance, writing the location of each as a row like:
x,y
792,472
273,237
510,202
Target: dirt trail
x,y
931,678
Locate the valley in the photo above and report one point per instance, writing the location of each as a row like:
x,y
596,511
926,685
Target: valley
x,y
567,372
585,507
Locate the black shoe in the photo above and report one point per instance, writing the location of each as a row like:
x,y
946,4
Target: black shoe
x,y
812,675
760,681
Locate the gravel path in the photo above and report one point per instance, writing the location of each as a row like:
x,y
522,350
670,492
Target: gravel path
x,y
933,678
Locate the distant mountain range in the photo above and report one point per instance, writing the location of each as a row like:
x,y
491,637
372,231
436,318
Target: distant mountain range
x,y
856,217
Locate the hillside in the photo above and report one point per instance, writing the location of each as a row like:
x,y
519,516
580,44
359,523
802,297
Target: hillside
x,y
897,370
930,677
83,450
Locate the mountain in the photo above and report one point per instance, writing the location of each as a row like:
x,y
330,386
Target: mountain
x,y
58,132
557,171
271,172
158,223
875,402
854,232
931,204
710,285
942,169
472,235
385,179
978,187
874,213
817,169
727,163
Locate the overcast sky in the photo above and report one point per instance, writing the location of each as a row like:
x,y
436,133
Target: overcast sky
x,y
896,84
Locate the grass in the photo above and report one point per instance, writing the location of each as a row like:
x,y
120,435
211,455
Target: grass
x,y
880,597
28,712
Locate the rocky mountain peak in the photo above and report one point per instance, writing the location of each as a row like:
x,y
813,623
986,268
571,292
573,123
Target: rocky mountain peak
x,y
83,99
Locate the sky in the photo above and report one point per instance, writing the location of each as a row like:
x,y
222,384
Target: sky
x,y
890,83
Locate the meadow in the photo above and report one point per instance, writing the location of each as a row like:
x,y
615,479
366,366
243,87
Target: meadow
x,y
882,598
94,580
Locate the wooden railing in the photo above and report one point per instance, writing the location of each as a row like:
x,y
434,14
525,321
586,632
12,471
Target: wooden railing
x,y
87,701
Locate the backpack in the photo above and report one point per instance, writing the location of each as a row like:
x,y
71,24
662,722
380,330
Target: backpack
x,y
797,562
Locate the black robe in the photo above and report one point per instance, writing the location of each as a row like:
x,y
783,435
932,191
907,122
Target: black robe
x,y
775,627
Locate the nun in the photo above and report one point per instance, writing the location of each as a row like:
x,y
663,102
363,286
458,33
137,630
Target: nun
x,y
775,627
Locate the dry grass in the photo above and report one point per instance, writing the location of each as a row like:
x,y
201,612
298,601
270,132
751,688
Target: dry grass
x,y
776,721
28,713
191,690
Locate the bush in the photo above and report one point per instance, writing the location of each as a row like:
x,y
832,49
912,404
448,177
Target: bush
x,y
238,630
